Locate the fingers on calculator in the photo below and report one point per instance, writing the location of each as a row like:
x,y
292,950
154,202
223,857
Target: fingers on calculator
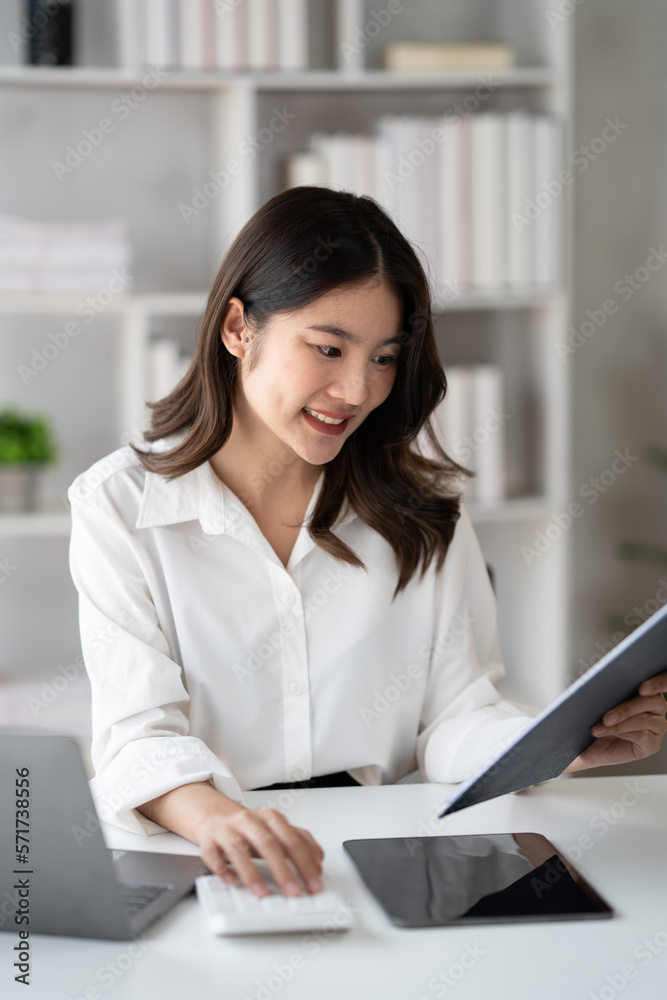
x,y
266,833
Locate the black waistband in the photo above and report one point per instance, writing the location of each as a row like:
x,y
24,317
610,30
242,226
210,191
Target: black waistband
x,y
322,781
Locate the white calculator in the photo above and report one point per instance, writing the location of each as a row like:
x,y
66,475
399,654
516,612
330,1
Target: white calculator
x,y
233,909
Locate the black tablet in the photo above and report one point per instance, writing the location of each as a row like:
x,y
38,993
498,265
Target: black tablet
x,y
433,881
559,734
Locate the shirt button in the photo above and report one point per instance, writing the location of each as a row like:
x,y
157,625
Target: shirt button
x,y
297,775
295,688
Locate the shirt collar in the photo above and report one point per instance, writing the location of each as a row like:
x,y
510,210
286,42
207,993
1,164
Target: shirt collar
x,y
201,496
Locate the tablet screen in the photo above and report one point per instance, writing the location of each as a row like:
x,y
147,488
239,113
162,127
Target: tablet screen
x,y
431,881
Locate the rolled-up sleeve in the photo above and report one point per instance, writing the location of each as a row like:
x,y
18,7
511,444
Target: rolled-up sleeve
x,y
465,721
141,747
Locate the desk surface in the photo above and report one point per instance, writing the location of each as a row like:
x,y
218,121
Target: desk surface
x,y
612,828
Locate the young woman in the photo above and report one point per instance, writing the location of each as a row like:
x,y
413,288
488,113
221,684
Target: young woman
x,y
284,585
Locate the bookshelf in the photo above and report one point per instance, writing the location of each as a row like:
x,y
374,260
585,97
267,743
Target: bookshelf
x,y
195,123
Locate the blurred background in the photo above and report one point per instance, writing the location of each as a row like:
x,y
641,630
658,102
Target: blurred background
x,y
521,147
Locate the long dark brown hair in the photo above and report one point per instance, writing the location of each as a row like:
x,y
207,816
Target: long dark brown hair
x,y
298,246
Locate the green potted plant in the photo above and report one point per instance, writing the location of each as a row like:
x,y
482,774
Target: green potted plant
x,y
26,446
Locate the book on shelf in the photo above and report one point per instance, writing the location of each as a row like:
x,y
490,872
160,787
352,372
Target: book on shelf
x,y
471,194
66,257
204,35
434,57
470,425
488,199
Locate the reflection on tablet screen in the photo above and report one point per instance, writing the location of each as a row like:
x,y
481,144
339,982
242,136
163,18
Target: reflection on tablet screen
x,y
430,881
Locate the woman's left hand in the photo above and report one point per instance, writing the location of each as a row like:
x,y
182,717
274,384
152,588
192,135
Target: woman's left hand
x,y
632,730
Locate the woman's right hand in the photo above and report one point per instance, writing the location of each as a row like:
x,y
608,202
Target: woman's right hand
x,y
229,834
235,838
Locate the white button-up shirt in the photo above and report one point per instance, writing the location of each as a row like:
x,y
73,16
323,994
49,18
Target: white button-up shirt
x,y
211,660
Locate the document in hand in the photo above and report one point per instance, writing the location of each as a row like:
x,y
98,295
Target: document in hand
x,y
559,734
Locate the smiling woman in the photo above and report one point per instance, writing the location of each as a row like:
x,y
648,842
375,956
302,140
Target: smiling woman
x,y
320,280
310,603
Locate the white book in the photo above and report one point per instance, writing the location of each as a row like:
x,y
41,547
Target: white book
x,y
293,34
190,34
320,144
429,192
207,36
454,217
308,168
341,161
350,54
163,367
130,34
364,165
409,171
548,224
453,420
161,26
262,34
520,188
231,34
386,156
488,157
488,433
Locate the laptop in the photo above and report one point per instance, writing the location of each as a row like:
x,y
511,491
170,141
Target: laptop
x,y
56,874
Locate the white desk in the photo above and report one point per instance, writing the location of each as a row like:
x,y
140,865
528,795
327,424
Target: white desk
x,y
626,861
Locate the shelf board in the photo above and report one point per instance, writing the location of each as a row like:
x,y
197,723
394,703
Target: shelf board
x,y
84,77
472,300
55,302
57,523
515,509
194,303
53,523
183,304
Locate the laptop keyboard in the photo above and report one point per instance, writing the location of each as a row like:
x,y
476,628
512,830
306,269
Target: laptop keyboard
x,y
137,895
